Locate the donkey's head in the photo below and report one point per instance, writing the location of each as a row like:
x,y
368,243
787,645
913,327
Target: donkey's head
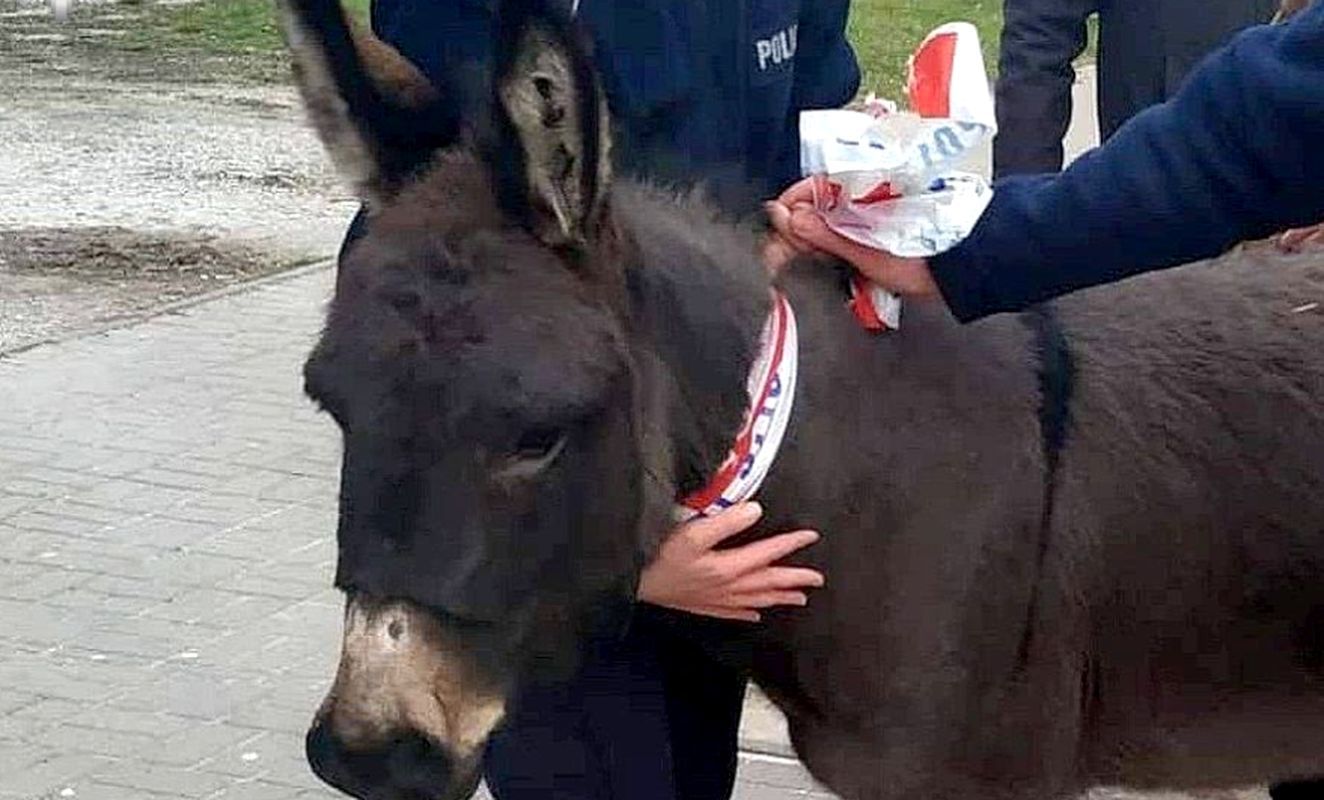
x,y
483,357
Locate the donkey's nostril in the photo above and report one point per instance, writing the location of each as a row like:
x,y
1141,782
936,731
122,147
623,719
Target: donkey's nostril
x,y
396,629
416,765
408,767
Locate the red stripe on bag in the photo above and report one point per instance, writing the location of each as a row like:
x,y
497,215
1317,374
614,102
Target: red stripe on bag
x,y
930,85
861,304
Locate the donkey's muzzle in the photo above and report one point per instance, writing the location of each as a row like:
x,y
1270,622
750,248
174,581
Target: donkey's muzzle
x,y
405,768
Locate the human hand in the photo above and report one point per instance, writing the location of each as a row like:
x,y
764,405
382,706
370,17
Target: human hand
x,y
1300,239
800,229
689,574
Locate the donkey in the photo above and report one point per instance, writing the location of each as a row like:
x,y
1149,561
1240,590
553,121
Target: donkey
x,y
1077,546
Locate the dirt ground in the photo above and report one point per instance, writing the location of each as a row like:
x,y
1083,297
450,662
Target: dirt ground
x,y
132,179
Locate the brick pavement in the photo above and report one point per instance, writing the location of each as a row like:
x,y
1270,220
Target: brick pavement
x,y
166,520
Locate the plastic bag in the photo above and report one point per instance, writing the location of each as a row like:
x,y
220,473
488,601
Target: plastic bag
x,y
886,179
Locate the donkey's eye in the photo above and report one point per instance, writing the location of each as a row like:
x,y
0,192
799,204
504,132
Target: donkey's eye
x,y
534,452
541,444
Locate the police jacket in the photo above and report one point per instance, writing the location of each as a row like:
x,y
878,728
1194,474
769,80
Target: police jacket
x,y
700,90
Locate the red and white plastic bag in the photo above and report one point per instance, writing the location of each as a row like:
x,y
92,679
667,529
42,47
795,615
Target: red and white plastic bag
x,y
886,179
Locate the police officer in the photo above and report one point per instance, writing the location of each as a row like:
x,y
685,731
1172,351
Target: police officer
x,y
1146,50
701,92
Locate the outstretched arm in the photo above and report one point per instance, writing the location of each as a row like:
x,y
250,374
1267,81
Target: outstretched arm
x,y
1238,154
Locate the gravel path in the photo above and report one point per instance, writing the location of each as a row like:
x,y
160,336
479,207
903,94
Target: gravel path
x,y
120,196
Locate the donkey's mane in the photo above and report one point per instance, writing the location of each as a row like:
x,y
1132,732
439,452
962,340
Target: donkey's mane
x,y
699,297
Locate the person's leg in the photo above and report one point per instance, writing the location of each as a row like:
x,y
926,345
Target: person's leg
x,y
1040,38
542,750
1132,66
704,703
600,736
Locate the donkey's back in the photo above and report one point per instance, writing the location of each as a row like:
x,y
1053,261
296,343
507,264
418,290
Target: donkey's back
x,y
1190,510
1156,620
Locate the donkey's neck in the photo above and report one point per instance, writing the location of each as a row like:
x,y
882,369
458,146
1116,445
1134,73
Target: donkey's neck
x,y
699,298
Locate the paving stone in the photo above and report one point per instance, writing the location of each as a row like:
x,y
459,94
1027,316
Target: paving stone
x,y
222,511
200,743
164,533
249,758
87,789
187,567
268,585
132,587
50,775
24,487
73,479
79,598
258,790
54,682
175,479
13,699
179,783
203,696
111,554
121,638
116,720
226,609
121,493
12,504
50,519
44,582
289,768
66,738
16,756
269,717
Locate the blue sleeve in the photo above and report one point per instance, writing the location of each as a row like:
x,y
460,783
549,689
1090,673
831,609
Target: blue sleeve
x,y
1238,154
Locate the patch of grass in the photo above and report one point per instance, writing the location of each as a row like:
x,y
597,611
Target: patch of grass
x,y
223,27
886,32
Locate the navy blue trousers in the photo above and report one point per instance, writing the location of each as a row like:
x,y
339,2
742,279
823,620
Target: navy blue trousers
x,y
648,717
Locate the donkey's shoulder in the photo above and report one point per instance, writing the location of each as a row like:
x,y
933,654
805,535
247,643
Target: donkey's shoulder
x,y
683,230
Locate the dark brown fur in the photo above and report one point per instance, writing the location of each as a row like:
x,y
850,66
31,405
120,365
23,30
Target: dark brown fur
x,y
1076,547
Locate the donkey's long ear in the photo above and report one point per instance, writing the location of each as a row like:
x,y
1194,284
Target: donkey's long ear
x,y
551,156
378,116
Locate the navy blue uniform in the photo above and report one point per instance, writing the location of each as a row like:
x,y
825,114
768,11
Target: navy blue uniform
x,y
1147,48
702,92
1237,155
